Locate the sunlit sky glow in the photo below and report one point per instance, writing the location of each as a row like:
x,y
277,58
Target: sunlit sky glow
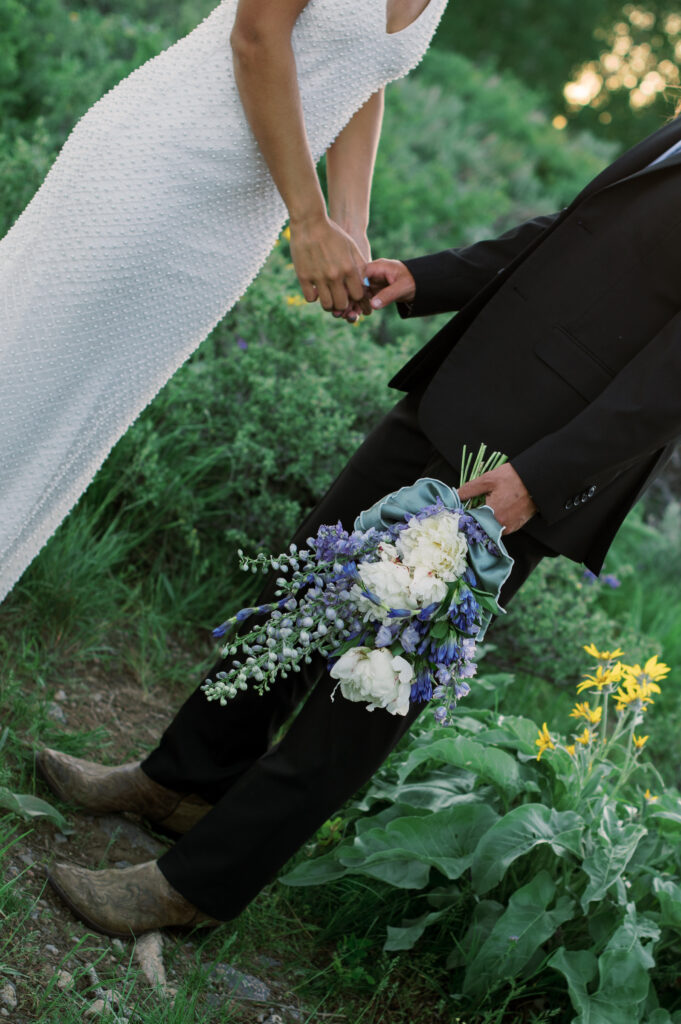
x,y
631,60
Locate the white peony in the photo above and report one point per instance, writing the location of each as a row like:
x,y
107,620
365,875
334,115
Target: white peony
x,y
426,588
376,676
388,552
434,544
390,582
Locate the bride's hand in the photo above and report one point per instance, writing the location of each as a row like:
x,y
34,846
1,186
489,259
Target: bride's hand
x,y
328,262
362,308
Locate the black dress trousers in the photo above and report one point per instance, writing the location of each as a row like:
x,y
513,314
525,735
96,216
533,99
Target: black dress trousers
x,y
271,798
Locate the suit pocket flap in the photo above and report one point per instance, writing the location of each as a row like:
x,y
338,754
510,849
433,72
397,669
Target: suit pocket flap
x,y
571,361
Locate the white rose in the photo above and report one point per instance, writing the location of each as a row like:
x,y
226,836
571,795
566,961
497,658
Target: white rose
x,y
435,544
426,588
375,676
389,581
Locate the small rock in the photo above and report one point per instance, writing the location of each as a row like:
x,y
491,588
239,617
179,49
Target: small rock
x,y
239,984
35,915
51,949
4,1012
56,713
96,1008
119,828
149,955
274,1018
107,1002
122,864
64,980
8,995
118,947
27,858
59,838
60,695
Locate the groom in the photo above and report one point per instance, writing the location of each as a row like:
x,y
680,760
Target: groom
x,y
565,355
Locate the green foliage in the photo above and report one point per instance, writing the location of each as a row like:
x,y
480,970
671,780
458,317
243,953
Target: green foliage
x,y
578,877
542,632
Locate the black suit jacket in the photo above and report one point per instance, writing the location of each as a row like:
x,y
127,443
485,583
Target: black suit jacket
x,y
566,352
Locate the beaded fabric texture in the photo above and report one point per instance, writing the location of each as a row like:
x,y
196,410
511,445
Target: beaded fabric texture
x,y
152,222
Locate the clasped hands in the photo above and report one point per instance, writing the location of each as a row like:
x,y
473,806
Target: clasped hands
x,y
391,281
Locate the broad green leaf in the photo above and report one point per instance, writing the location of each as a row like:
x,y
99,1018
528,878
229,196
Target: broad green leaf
x,y
624,982
669,897
28,807
403,852
444,840
489,764
388,814
315,872
520,831
439,789
517,935
485,916
512,731
612,848
408,935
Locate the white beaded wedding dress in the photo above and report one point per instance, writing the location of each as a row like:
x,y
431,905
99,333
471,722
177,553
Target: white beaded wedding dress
x,y
155,217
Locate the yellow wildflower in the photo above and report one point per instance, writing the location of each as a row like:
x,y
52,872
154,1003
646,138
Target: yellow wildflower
x,y
602,677
296,300
544,741
602,655
584,737
649,797
648,676
639,741
631,693
571,749
286,233
584,710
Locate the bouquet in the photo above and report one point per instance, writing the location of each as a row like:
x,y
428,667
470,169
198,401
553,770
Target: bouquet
x,y
397,607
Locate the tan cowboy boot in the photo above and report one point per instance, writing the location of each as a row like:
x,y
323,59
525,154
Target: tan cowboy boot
x,y
122,788
124,901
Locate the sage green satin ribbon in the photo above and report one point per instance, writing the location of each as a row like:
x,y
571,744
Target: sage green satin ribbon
x,y
491,571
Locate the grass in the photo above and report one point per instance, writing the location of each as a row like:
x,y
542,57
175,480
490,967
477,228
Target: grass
x,y
105,630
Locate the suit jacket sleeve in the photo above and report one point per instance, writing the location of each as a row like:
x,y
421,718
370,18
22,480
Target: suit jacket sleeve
x,y
446,281
636,415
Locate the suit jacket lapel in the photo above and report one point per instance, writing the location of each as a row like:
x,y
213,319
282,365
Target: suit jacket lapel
x,y
637,160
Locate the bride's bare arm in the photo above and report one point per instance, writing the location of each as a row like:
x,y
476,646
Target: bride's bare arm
x,y
328,263
350,168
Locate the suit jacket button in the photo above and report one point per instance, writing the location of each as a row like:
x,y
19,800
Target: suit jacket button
x,y
585,496
592,490
568,505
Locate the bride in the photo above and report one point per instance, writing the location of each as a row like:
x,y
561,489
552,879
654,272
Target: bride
x,y
158,213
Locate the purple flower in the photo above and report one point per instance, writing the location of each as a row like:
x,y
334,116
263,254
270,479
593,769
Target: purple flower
x,y
463,614
426,613
440,715
588,576
242,343
461,690
410,637
422,689
244,614
384,637
611,580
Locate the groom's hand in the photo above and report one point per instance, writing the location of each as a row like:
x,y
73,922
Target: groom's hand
x,y
390,281
506,495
